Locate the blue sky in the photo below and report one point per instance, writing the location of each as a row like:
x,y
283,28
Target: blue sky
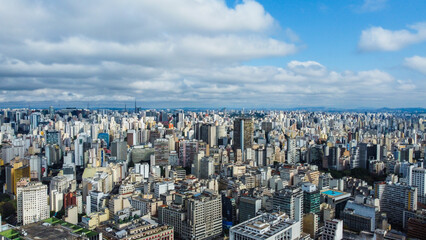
x,y
214,53
331,30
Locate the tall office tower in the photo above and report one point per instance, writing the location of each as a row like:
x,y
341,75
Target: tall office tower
x,y
221,131
180,120
79,148
173,216
188,150
268,226
333,230
418,180
363,161
194,217
290,201
95,200
35,167
379,188
53,137
32,203
208,134
94,131
51,111
354,160
311,224
206,167
212,139
406,154
132,138
14,172
267,127
56,200
60,184
164,117
248,208
291,150
204,133
311,198
316,155
243,134
204,217
119,150
259,157
161,151
18,117
333,158
35,120
395,199
104,137
196,164
229,210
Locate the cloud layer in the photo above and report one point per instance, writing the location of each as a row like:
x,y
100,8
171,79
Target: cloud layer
x,y
188,52
380,39
417,63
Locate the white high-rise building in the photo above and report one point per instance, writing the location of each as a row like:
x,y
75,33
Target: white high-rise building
x,y
79,151
60,184
163,187
32,205
56,200
333,230
418,178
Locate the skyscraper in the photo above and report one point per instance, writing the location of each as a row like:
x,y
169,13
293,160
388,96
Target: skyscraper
x,y
161,151
418,179
243,134
333,230
14,172
32,203
311,198
200,217
248,208
290,201
395,199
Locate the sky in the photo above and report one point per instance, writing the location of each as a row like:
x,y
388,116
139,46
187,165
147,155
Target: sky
x,y
214,53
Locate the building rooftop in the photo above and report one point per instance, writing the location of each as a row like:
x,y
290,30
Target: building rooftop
x,y
332,193
51,228
265,225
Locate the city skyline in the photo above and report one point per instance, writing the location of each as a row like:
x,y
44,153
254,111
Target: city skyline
x,y
235,54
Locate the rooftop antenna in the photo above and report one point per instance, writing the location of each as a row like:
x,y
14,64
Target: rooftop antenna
x,y
135,106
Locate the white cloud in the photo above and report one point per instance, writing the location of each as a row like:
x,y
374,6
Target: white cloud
x,y
380,39
417,63
306,83
406,85
309,68
372,5
189,52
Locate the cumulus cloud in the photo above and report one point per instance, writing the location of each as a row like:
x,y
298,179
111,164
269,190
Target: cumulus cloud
x,y
380,39
417,63
309,68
